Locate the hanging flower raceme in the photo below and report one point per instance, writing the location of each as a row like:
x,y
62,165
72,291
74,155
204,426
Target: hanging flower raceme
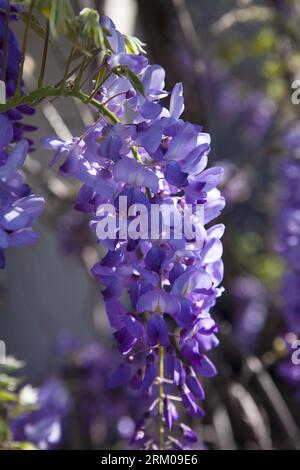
x,y
11,65
288,248
160,278
19,207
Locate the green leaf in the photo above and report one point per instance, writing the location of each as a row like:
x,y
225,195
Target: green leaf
x,y
24,446
133,45
100,76
4,431
12,364
60,14
89,27
8,382
35,24
72,35
6,396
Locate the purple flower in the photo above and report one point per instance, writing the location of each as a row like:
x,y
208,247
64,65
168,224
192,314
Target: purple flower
x,y
158,291
15,115
19,208
157,331
188,433
44,426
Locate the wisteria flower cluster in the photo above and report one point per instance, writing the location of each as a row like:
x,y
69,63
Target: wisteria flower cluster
x,y
288,226
158,292
9,74
288,248
101,414
19,207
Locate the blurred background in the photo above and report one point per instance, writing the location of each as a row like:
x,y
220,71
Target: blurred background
x,y
237,60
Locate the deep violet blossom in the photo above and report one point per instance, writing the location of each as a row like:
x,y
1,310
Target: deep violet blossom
x,y
19,207
15,115
158,292
288,248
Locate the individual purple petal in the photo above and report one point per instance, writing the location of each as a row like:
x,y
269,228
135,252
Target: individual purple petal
x,y
4,239
206,367
191,280
116,313
52,142
169,412
121,376
150,373
131,172
154,79
150,110
204,182
188,434
185,316
137,380
111,147
2,259
177,101
195,386
24,236
18,155
134,327
6,131
174,175
207,342
150,137
157,331
176,271
182,143
196,160
190,405
125,339
25,109
14,219
190,350
158,301
33,205
212,251
136,63
154,258
215,203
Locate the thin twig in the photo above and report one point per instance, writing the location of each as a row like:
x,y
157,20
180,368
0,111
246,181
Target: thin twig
x,y
161,396
44,58
66,72
23,50
5,39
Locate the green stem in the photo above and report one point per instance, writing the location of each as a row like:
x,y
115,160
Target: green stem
x,y
47,92
5,39
94,92
87,99
89,77
80,73
136,154
66,72
23,50
44,58
138,159
161,396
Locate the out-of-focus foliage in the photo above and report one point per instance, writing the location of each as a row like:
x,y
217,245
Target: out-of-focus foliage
x,y
15,401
